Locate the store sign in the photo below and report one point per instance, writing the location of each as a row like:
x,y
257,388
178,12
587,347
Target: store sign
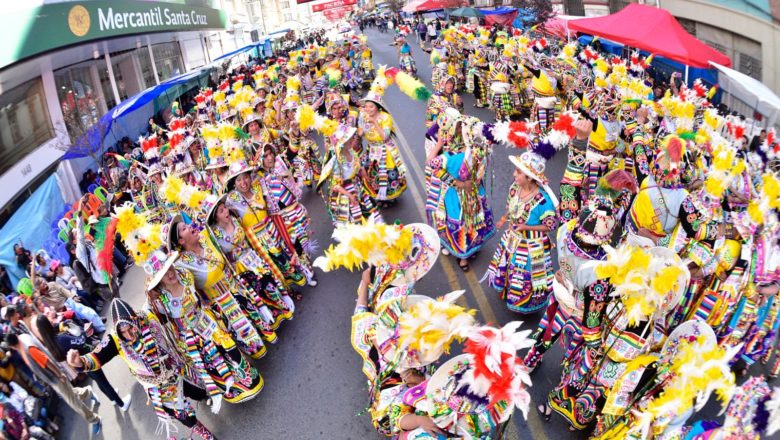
x,y
331,5
337,13
46,27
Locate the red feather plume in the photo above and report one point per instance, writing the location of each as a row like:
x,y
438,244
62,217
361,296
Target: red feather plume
x,y
105,258
675,149
149,143
518,134
565,123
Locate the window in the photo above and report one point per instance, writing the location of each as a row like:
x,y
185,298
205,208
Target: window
x,y
81,102
287,17
167,59
24,122
749,65
285,5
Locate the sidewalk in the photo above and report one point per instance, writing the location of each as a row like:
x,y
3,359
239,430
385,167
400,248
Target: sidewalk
x,y
139,422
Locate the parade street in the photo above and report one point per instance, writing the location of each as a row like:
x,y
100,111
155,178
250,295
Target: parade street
x,y
314,388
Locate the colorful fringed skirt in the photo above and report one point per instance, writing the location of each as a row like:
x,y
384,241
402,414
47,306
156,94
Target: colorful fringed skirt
x,y
462,218
579,397
342,211
240,315
522,271
212,349
263,236
386,171
406,62
306,165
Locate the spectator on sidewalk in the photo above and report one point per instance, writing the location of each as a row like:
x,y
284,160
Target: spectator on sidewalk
x,y
422,32
46,369
58,297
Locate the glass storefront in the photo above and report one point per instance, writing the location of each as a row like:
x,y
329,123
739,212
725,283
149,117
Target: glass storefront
x,y
85,92
24,122
167,59
146,67
81,99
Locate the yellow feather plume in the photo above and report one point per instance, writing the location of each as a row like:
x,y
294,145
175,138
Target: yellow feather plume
x,y
369,243
429,327
139,236
329,126
305,116
226,132
293,83
411,86
174,190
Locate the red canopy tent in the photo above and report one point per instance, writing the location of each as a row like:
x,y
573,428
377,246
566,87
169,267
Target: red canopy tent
x,y
429,5
653,30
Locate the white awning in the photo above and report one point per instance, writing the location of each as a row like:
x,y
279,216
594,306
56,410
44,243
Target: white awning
x,y
750,91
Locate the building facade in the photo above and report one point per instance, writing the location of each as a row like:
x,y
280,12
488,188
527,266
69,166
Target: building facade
x,y
64,64
746,31
268,16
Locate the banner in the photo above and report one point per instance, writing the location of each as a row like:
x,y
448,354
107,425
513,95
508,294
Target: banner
x,y
32,30
331,5
337,13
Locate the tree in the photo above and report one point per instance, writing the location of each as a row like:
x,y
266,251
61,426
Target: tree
x,y
539,10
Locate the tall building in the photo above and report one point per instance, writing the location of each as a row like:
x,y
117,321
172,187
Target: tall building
x,y
64,64
269,16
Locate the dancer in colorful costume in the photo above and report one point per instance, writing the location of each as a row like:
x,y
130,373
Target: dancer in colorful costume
x,y
139,340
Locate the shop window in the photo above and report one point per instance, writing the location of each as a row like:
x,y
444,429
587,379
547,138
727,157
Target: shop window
x,y
24,122
80,99
167,59
146,67
750,66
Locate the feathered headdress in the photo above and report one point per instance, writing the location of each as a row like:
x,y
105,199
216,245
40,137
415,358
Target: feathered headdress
x,y
308,118
761,209
698,370
370,243
430,326
175,190
724,168
646,281
519,134
498,372
139,235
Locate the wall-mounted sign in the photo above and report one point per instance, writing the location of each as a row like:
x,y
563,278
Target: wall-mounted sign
x,y
332,4
337,13
28,32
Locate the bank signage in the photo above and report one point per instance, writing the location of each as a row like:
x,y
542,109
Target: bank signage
x,y
40,29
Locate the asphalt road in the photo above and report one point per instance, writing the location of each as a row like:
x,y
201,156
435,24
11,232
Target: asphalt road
x,y
314,388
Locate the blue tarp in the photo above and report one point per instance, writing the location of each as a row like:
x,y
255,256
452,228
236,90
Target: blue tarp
x,y
499,11
95,134
246,48
31,224
524,17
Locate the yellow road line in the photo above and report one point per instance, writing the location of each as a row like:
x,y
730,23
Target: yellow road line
x,y
419,202
446,263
